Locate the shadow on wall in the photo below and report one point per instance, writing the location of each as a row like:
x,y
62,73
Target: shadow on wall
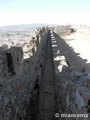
x,y
36,70
72,89
71,57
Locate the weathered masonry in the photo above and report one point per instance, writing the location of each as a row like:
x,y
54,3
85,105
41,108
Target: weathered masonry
x,y
20,77
37,81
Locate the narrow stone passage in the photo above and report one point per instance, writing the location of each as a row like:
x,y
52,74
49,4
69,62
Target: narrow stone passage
x,y
46,98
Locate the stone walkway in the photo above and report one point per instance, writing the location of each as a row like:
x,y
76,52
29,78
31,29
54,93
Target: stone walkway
x,y
46,99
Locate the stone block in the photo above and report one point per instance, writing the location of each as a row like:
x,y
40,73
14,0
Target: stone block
x,y
13,61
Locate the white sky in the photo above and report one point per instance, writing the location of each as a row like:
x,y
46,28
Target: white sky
x,y
75,17
49,11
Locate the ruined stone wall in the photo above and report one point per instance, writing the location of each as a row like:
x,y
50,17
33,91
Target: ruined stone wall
x,y
72,86
63,30
18,76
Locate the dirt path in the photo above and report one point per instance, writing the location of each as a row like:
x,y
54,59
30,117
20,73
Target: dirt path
x,y
46,100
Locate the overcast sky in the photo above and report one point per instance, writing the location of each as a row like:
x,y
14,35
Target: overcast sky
x,y
44,11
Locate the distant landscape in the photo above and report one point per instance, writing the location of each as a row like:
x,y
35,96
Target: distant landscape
x,y
34,25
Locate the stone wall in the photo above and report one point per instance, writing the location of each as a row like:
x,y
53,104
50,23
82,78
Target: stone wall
x,y
63,30
18,76
72,87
